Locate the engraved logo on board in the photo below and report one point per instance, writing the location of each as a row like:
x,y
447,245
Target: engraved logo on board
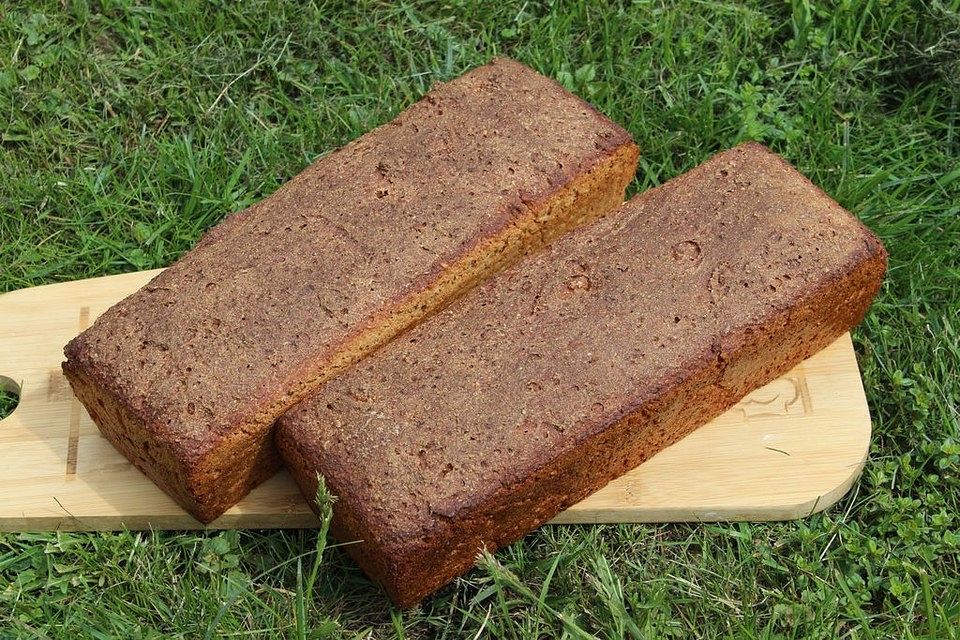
x,y
787,396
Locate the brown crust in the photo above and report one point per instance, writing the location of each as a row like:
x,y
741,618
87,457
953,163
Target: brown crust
x,y
574,366
358,247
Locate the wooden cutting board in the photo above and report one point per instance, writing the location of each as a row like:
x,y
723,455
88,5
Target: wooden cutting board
x,y
788,450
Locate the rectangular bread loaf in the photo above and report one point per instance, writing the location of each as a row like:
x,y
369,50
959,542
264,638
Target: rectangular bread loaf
x,y
187,376
578,364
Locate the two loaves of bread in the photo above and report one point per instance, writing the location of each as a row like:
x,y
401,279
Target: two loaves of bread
x,y
534,381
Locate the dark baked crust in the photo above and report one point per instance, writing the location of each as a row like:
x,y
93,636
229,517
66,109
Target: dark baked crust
x,y
187,376
576,365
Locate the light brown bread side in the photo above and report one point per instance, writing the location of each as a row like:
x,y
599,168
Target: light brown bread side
x,y
187,376
578,364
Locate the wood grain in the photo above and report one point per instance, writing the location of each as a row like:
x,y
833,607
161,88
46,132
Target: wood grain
x,y
789,449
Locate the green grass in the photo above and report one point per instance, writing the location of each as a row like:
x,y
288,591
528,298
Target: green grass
x,y
127,129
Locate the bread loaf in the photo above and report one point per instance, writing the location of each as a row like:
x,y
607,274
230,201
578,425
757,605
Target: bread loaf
x,y
187,376
579,363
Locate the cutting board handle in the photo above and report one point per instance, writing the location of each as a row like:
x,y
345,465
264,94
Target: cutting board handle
x,y
10,386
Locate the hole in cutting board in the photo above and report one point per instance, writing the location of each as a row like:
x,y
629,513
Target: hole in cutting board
x,y
9,396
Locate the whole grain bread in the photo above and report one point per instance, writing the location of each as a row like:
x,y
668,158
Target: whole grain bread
x,y
187,376
578,364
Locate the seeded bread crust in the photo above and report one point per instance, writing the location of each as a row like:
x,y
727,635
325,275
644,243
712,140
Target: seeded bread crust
x,y
187,376
578,364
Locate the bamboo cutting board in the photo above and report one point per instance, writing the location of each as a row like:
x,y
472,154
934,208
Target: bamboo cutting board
x,y
787,450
